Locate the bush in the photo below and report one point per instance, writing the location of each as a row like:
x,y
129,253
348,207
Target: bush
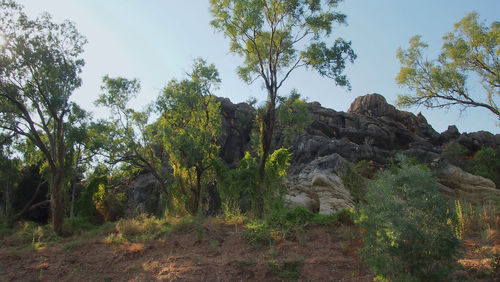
x,y
237,187
456,154
486,163
141,228
77,225
281,223
405,226
31,233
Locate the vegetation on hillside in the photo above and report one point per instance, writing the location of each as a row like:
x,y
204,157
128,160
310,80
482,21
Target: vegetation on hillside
x,y
55,156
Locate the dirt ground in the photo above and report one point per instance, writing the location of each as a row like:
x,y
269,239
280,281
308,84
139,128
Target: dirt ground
x,y
324,253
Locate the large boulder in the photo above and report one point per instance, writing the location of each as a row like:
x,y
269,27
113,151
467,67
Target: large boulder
x,y
318,185
458,184
144,196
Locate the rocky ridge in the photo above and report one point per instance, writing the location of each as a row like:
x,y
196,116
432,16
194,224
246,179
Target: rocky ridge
x,y
371,129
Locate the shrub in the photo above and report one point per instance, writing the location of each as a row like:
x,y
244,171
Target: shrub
x,y
77,225
237,186
486,163
141,228
405,227
356,181
282,223
456,154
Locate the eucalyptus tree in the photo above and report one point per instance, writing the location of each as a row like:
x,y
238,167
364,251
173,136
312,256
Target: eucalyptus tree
x,y
470,52
190,125
126,137
40,62
277,37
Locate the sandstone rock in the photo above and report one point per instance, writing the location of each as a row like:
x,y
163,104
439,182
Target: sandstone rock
x,y
317,185
459,184
237,125
144,196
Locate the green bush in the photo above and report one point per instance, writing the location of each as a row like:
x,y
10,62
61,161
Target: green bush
x,y
456,154
237,187
281,223
405,226
356,181
486,163
31,233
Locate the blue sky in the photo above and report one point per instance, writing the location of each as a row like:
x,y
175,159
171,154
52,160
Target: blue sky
x,y
156,41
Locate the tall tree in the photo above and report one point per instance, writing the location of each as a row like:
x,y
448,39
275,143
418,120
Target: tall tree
x,y
471,51
126,137
39,69
190,124
277,37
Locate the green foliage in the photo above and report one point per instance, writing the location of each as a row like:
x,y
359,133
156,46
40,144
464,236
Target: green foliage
x,y
77,225
486,163
189,127
126,137
31,234
456,154
472,50
85,207
293,116
237,186
282,223
276,38
40,66
109,202
357,178
405,227
272,36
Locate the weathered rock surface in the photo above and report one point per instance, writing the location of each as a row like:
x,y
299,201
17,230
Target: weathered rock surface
x,y
459,184
318,186
371,129
237,125
143,196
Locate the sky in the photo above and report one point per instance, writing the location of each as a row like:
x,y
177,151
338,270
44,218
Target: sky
x,y
156,41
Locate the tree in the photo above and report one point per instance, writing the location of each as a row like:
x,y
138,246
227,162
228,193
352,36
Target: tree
x,y
277,37
471,51
39,69
190,125
126,137
293,117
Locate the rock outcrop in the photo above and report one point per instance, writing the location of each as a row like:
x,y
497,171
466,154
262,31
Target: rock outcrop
x,y
318,185
459,184
371,129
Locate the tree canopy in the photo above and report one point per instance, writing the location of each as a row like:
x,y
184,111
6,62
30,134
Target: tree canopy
x,y
471,52
190,125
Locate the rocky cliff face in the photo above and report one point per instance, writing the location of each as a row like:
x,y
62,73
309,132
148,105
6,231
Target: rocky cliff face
x,y
371,130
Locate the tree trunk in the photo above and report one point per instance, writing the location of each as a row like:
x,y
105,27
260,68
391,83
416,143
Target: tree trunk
x,y
266,139
56,177
197,195
72,209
